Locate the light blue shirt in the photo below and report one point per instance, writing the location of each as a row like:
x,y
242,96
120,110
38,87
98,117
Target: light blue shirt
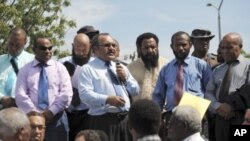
x,y
7,74
196,76
95,85
239,74
74,81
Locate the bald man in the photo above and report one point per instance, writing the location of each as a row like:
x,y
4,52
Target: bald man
x,y
77,112
225,80
10,63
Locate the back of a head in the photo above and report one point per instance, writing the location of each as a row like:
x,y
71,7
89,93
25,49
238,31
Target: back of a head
x,y
13,120
88,135
188,115
144,117
103,136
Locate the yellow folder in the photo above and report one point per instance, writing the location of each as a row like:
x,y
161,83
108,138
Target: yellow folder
x,y
200,104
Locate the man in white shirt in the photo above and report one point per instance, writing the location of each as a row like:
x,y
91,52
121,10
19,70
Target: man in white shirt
x,y
10,63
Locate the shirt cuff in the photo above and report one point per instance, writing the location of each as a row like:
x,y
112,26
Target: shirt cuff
x,y
215,106
54,110
102,99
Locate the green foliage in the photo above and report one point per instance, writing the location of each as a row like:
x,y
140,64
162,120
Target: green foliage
x,y
36,17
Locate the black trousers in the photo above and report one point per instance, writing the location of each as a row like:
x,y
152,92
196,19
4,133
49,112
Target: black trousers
x,y
113,124
78,120
58,129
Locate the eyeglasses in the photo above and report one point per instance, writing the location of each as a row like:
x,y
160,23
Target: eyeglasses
x,y
44,48
108,45
40,127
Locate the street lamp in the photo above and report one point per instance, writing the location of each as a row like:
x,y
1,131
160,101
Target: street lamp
x,y
218,10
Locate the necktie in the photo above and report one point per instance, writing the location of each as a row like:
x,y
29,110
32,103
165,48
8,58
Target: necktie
x,y
224,89
14,65
119,87
178,88
43,100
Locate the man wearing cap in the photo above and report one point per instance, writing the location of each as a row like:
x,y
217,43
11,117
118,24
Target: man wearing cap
x,y
89,30
201,39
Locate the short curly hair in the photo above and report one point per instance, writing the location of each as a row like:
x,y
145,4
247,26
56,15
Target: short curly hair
x,y
144,117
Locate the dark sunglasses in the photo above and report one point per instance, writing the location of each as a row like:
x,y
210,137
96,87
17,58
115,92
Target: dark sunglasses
x,y
44,48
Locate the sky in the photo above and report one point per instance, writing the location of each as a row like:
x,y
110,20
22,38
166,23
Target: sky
x,y
125,20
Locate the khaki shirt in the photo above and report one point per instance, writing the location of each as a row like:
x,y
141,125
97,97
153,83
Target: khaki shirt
x,y
146,78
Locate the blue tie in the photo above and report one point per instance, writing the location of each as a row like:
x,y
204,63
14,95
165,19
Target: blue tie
x,y
43,100
119,87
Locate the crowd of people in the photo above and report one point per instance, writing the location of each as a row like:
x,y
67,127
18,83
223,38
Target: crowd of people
x,y
93,96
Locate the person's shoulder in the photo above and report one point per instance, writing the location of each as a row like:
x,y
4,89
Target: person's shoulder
x,y
28,65
198,61
27,54
244,59
135,64
3,58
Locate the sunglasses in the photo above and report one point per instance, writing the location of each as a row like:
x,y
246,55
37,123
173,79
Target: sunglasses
x,y
44,48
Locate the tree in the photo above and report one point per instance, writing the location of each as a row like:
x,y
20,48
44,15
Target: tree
x,y
36,17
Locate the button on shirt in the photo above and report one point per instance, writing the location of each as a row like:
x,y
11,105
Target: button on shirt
x,y
7,74
59,92
95,85
239,73
196,76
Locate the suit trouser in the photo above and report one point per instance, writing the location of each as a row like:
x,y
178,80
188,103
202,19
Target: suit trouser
x,y
58,128
113,124
222,128
78,120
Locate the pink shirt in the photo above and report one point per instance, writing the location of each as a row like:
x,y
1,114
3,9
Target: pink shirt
x,y
59,92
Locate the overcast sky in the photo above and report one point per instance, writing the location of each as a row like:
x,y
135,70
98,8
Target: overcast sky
x,y
126,19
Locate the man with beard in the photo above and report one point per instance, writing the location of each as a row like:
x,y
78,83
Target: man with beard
x,y
146,68
201,39
77,111
184,73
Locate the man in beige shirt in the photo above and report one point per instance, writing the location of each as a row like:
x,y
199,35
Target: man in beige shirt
x,y
147,67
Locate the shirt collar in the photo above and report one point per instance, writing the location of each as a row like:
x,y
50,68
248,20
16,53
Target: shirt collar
x,y
103,63
36,63
186,60
16,57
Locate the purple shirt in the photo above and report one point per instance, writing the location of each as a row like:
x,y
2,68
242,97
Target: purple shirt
x,y
59,92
